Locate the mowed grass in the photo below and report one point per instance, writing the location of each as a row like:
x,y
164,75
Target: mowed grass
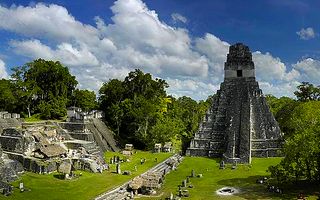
x,y
243,178
87,186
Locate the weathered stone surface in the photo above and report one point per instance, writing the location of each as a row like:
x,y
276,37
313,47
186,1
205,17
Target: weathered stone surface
x,y
239,124
17,141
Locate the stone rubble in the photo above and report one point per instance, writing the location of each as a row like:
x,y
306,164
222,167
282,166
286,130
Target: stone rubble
x,y
160,170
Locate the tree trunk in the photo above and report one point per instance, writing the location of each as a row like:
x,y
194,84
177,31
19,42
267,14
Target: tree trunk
x,y
308,171
146,128
28,108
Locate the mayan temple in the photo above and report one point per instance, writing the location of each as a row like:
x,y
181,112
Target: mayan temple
x,y
239,124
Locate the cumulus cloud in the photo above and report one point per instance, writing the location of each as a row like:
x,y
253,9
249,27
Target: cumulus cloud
x,y
136,38
306,34
45,21
310,69
65,52
269,68
3,72
216,51
189,87
279,89
176,17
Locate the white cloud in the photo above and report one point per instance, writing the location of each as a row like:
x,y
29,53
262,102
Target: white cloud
x,y
194,88
306,34
310,70
32,49
64,52
156,45
269,68
45,21
3,71
176,17
136,38
279,89
216,51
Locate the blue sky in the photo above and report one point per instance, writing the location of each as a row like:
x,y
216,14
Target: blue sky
x,y
182,41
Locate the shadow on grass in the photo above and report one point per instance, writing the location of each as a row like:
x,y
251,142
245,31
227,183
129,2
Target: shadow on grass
x,y
251,190
59,176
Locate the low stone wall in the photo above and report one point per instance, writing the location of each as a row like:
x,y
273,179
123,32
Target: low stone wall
x,y
82,136
73,127
197,152
9,123
12,144
7,115
34,165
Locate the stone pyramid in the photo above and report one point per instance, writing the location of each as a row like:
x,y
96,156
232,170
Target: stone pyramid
x,y
239,124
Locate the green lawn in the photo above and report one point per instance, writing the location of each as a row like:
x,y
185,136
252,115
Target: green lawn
x,y
244,178
86,186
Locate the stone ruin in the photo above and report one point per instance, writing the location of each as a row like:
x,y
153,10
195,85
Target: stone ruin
x,y
167,147
44,147
152,180
238,125
7,115
8,120
76,114
128,150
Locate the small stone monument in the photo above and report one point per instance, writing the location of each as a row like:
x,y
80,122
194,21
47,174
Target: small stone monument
x,y
114,159
184,183
180,193
193,173
21,187
111,161
171,196
157,148
234,165
118,169
222,165
188,179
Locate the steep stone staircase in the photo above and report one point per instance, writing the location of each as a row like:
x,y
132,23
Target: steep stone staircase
x,y
103,135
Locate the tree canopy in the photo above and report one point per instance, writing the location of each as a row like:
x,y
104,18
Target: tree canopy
x,y
38,87
307,92
84,99
300,121
140,112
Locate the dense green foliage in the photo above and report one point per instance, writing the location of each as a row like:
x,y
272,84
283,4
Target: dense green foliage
x,y
7,97
300,122
84,99
43,87
307,92
140,112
